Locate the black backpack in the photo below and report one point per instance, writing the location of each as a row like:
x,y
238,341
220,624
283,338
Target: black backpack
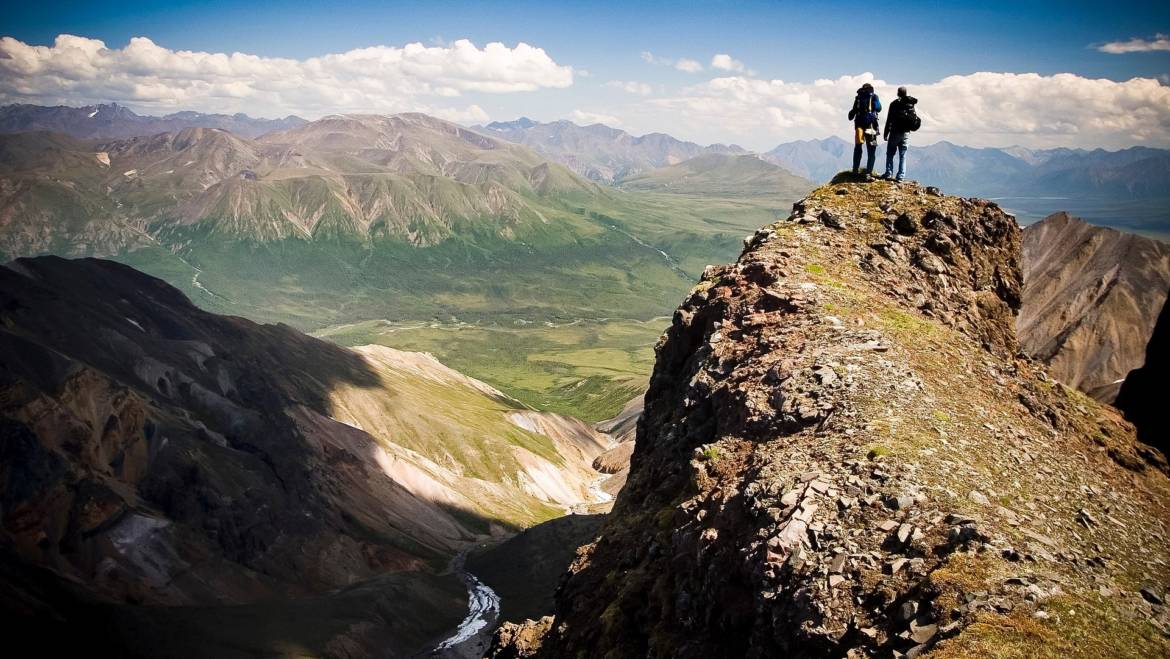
x,y
907,120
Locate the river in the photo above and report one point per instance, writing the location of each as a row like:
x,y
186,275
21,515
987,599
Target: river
x,y
473,635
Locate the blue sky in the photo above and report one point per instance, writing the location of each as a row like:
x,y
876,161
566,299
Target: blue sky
x,y
604,44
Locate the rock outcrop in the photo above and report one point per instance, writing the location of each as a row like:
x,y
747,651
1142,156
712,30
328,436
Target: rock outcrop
x,y
844,454
1143,394
1091,297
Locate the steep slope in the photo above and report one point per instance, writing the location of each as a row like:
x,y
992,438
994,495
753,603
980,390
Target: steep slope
x,y
112,121
720,175
158,455
599,152
1142,397
1091,298
841,455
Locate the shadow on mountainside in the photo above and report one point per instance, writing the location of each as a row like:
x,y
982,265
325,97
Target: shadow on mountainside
x,y
187,464
1142,397
524,570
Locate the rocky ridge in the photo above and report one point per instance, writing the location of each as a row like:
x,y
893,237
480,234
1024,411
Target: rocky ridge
x,y
843,453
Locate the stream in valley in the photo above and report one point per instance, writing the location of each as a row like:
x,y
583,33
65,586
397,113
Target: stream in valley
x,y
473,635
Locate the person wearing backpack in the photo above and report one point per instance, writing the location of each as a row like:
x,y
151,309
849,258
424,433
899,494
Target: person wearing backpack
x,y
864,115
902,120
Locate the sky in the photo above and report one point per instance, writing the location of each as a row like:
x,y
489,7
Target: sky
x,y
1037,74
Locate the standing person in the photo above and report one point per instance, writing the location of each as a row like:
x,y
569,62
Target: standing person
x,y
900,122
864,115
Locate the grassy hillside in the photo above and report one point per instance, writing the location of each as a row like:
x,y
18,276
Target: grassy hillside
x,y
721,175
587,369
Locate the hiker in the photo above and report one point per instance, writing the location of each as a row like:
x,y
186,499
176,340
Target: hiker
x,y
864,115
900,122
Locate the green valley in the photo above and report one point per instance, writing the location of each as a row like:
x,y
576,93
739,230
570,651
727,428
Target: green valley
x,y
587,369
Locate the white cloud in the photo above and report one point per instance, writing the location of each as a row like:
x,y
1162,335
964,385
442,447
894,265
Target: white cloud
x,y
683,64
78,70
631,87
725,62
586,118
651,58
981,109
1136,45
472,114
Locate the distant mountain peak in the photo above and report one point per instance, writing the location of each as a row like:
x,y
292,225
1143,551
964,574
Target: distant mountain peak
x,y
521,123
601,152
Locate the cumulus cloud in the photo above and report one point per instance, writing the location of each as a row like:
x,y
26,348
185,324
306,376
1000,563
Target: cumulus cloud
x,y
683,64
981,109
1136,45
78,70
586,118
631,87
725,62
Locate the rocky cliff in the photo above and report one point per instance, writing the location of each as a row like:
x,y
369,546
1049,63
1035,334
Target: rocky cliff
x,y
844,454
1142,397
1091,296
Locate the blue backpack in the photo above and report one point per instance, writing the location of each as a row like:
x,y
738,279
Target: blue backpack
x,y
865,110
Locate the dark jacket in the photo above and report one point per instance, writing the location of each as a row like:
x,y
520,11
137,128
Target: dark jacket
x,y
892,117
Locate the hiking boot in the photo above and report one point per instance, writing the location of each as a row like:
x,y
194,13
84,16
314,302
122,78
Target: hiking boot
x,y
887,176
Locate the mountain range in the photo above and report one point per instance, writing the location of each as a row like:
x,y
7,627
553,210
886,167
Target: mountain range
x,y
1133,173
113,121
1126,189
599,152
351,212
612,155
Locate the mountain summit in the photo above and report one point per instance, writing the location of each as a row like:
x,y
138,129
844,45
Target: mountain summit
x,y
843,454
